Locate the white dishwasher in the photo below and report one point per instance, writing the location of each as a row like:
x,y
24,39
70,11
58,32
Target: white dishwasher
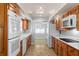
x,y
23,46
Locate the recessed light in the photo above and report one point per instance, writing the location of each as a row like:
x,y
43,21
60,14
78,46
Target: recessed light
x,y
41,7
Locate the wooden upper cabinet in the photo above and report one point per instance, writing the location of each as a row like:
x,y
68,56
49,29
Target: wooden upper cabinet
x,y
14,7
3,29
58,23
77,21
1,14
71,11
74,10
1,40
66,14
25,24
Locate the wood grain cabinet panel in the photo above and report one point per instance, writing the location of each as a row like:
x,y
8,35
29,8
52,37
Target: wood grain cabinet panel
x,y
3,29
56,46
63,49
1,14
58,23
28,41
71,11
72,52
1,40
24,24
20,53
14,7
77,22
59,48
53,42
74,10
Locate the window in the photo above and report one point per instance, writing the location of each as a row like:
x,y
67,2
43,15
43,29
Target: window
x,y
38,30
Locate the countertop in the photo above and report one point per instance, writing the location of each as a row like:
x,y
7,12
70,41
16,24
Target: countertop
x,y
24,35
74,45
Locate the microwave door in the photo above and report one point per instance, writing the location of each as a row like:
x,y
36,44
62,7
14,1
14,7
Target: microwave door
x,y
71,22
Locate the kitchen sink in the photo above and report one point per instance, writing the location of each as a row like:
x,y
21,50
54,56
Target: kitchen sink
x,y
69,40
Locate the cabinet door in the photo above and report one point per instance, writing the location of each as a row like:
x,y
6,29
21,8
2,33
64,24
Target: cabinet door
x,y
3,30
27,42
74,10
24,46
55,49
14,7
64,49
72,51
20,53
1,40
53,42
58,23
1,14
59,48
25,24
77,25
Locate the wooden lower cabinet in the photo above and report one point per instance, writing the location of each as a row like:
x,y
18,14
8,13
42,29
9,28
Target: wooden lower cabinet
x,y
59,52
28,41
28,44
72,51
20,53
53,42
55,48
63,49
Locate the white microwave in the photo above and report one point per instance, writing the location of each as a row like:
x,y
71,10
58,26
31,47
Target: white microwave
x,y
69,21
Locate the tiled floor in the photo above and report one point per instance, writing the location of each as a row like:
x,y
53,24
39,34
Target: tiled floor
x,y
40,48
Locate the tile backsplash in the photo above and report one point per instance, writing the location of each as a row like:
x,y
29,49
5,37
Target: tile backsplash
x,y
73,33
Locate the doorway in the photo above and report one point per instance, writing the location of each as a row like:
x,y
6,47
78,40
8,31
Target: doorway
x,y
39,33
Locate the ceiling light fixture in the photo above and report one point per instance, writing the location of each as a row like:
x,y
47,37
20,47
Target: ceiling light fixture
x,y
40,10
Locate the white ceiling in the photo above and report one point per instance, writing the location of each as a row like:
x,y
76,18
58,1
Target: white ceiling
x,y
45,10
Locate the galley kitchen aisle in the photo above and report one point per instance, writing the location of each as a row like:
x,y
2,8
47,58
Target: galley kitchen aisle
x,y
39,29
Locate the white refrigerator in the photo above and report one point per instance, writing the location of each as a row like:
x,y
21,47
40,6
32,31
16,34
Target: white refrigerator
x,y
52,32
